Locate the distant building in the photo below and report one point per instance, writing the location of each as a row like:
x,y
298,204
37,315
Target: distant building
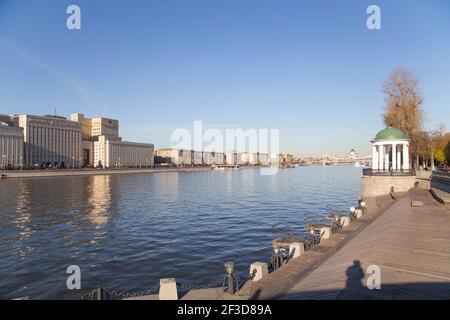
x,y
97,126
213,158
231,158
11,144
112,152
102,146
178,157
164,156
262,159
50,140
91,130
247,158
353,154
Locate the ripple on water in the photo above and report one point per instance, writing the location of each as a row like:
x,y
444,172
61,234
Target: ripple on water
x,y
128,231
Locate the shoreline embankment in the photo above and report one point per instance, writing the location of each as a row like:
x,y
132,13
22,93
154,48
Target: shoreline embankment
x,y
92,172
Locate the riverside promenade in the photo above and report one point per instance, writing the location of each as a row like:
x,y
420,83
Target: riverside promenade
x,y
409,242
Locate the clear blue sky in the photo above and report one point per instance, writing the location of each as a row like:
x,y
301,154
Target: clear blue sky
x,y
310,68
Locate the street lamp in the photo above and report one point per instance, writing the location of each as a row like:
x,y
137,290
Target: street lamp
x,y
73,163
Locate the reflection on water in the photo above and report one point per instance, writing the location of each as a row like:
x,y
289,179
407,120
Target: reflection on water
x,y
23,219
99,198
128,231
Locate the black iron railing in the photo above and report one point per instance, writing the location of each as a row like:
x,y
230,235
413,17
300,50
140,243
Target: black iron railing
x,y
442,173
387,173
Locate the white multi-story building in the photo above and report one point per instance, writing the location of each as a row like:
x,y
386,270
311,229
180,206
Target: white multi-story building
x,y
11,145
112,152
213,158
197,157
176,157
50,139
91,130
263,159
231,158
247,158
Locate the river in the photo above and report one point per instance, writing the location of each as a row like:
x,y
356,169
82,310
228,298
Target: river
x,y
125,232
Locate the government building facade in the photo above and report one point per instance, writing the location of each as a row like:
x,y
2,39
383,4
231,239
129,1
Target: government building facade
x,y
11,145
112,152
103,147
50,140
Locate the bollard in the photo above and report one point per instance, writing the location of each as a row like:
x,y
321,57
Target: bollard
x,y
358,213
325,232
168,289
299,249
345,221
261,270
230,282
415,203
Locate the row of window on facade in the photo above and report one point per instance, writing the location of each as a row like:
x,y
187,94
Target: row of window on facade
x,y
179,157
49,141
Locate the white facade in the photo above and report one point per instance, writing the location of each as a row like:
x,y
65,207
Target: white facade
x,y
231,158
111,152
218,158
390,155
263,159
213,158
197,157
182,157
50,139
247,158
11,146
390,151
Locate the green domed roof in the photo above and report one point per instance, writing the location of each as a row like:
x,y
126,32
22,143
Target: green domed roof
x,y
391,134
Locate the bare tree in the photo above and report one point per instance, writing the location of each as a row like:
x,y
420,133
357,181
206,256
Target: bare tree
x,y
403,109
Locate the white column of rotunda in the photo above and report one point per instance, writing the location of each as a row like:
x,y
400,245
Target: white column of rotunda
x,y
390,151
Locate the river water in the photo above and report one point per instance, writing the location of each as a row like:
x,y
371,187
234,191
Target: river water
x,y
125,232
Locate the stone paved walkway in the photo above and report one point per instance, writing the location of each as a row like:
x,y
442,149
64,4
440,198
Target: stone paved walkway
x,y
410,245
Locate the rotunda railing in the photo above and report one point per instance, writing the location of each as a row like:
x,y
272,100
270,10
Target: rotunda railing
x,y
386,173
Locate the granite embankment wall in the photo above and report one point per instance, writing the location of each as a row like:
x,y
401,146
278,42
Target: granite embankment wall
x,y
375,186
87,172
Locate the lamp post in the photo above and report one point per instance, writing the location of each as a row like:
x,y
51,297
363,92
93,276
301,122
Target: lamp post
x,y
432,153
73,163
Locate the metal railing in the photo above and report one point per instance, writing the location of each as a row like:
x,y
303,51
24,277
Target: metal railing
x,y
441,172
232,283
387,173
110,294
